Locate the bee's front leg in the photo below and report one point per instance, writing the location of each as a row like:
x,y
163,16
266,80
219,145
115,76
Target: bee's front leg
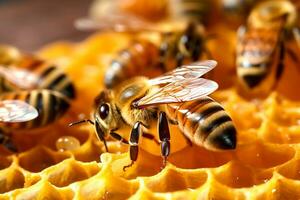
x,y
164,136
135,134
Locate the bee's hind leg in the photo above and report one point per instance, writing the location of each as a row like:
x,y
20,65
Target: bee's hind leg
x,y
150,137
135,134
164,136
118,137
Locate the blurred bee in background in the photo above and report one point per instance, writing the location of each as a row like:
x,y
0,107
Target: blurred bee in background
x,y
27,72
261,45
177,97
180,41
131,14
38,83
14,111
181,36
143,57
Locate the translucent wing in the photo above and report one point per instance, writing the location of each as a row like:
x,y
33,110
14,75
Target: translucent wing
x,y
20,77
194,70
119,22
179,91
16,111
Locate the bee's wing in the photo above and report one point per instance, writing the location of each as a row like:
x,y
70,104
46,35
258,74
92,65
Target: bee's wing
x,y
16,111
119,22
194,70
179,91
19,77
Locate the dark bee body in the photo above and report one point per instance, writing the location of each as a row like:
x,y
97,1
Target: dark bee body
x,y
50,105
258,51
50,92
261,45
205,123
142,57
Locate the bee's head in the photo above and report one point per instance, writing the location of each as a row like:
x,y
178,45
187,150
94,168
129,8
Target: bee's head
x,y
106,115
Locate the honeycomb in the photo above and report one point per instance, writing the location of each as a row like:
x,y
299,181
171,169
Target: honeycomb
x,y
265,165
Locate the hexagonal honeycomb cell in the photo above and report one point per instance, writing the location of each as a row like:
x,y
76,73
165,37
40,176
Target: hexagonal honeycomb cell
x,y
265,164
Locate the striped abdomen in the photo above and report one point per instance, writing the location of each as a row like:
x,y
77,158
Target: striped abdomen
x,y
204,122
49,76
51,105
255,54
138,59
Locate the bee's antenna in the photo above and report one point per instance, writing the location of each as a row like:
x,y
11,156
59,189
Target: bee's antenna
x,y
81,121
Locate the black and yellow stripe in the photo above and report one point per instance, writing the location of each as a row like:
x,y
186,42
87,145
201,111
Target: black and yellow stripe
x,y
205,122
50,105
138,59
50,77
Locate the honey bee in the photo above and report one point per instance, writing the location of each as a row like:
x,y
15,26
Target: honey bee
x,y
14,111
50,104
261,45
179,97
36,82
143,57
28,72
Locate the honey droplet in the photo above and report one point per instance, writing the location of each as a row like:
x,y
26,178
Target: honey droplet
x,y
67,143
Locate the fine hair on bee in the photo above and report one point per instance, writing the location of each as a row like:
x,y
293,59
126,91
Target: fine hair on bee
x,y
36,82
178,96
261,47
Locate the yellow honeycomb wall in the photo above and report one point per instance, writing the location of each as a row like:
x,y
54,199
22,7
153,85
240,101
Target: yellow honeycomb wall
x,y
265,165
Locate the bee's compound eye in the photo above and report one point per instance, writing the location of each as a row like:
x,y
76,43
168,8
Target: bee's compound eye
x,y
103,111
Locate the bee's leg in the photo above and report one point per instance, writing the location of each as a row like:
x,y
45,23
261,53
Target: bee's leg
x,y
179,59
164,136
150,137
173,122
134,142
101,135
281,62
82,121
118,137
